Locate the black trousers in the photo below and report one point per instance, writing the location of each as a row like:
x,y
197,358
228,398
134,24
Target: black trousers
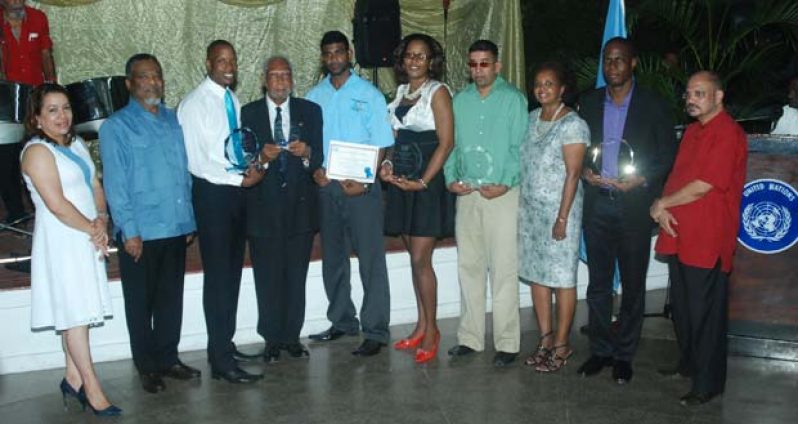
x,y
355,224
608,239
699,302
11,180
153,290
220,213
280,267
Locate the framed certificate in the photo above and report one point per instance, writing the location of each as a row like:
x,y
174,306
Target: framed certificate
x,y
352,161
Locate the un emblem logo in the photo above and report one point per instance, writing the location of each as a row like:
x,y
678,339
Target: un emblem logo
x,y
768,208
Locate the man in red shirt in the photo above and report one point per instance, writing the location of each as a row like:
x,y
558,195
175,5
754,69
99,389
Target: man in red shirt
x,y
699,217
27,55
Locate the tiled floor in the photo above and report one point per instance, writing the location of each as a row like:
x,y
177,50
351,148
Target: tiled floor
x,y
335,387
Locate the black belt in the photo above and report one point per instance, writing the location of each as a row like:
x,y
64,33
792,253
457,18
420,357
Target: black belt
x,y
609,192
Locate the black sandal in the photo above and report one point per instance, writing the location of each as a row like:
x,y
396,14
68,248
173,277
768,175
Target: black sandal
x,y
556,360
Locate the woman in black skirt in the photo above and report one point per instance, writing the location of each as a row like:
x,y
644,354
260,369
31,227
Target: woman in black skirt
x,y
419,209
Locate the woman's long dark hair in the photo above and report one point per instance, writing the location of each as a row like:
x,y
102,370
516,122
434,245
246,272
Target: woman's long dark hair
x,y
34,109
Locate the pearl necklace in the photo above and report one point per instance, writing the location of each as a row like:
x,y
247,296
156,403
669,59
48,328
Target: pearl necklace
x,y
553,120
417,93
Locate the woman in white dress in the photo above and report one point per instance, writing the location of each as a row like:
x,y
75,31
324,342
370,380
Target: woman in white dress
x,y
69,289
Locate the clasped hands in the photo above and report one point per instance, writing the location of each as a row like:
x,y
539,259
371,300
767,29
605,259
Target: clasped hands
x,y
663,217
488,191
270,152
98,233
387,175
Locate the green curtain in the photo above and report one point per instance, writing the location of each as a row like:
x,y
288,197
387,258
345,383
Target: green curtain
x,y
96,40
67,2
250,3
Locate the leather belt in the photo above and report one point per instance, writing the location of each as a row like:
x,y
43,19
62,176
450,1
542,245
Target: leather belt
x,y
610,193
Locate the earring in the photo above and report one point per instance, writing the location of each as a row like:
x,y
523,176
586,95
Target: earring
x,y
39,126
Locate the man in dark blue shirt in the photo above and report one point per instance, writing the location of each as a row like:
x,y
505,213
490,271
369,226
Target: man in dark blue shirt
x,y
148,189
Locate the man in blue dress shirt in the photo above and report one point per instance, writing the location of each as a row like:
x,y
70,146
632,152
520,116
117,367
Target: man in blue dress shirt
x,y
148,189
353,110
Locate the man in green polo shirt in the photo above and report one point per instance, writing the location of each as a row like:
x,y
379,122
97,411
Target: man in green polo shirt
x,y
490,125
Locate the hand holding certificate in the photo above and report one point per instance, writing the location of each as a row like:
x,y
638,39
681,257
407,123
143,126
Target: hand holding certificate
x,y
352,161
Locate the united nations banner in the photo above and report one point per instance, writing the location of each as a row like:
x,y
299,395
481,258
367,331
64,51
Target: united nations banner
x,y
769,210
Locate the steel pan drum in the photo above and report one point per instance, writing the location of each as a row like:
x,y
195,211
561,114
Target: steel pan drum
x,y
13,100
94,100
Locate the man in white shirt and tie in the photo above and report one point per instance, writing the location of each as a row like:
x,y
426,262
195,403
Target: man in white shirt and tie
x,y
208,115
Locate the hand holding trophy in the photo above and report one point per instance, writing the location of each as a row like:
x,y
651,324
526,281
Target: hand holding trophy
x,y
241,149
627,177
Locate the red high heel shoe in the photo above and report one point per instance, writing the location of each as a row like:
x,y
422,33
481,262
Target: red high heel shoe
x,y
423,356
408,343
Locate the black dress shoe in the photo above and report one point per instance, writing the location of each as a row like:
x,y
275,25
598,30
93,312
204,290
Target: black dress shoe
x,y
296,350
368,348
460,350
236,376
695,399
245,357
502,359
271,354
330,334
622,371
181,371
151,382
594,365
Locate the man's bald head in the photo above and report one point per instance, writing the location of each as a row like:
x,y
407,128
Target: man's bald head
x,y
703,98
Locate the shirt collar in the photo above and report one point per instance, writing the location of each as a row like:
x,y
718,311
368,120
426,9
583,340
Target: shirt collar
x,y
720,117
497,85
626,100
138,109
24,14
214,87
273,105
352,77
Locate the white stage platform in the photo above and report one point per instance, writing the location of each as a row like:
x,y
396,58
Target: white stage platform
x,y
22,350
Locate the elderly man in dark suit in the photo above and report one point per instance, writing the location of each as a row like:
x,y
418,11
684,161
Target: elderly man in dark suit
x,y
282,210
617,225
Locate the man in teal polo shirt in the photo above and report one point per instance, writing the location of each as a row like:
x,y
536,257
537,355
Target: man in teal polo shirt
x,y
353,110
490,124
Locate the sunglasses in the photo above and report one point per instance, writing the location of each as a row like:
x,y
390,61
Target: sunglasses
x,y
480,64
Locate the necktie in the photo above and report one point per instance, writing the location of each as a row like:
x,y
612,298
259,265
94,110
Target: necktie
x,y
279,139
232,119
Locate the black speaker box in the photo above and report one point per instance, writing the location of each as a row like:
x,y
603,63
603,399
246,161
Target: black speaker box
x,y
377,32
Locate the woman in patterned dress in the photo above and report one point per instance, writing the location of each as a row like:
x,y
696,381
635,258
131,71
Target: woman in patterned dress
x,y
550,213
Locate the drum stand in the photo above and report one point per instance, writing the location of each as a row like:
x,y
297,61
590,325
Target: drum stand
x,y
11,226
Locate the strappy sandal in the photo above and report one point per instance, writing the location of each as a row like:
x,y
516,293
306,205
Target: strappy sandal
x,y
556,360
541,353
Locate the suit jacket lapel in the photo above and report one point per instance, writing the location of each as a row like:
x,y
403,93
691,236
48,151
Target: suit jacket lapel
x,y
296,117
268,136
631,116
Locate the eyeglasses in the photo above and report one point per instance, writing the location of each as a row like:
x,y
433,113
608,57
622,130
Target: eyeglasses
x,y
278,75
415,56
479,64
544,84
698,94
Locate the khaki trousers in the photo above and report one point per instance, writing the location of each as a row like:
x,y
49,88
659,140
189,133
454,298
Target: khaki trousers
x,y
487,232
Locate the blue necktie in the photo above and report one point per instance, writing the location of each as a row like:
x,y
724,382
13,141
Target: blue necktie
x,y
279,139
232,119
